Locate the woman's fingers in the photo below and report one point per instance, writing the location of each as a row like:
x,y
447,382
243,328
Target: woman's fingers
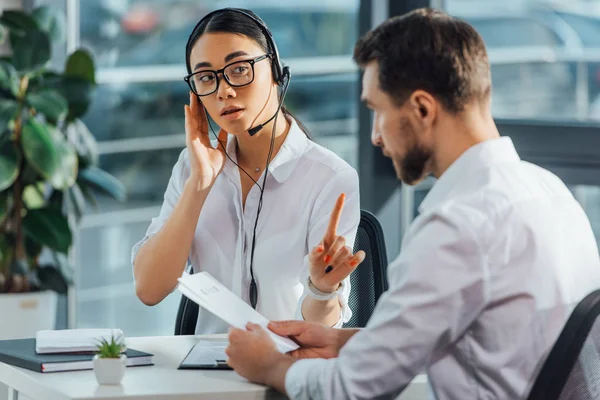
x,y
190,125
334,220
222,144
359,257
342,256
344,269
315,257
338,243
198,113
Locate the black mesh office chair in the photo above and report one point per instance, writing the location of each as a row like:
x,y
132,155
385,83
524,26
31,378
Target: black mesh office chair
x,y
368,281
187,314
572,369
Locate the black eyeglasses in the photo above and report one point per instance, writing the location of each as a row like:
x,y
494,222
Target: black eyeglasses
x,y
239,73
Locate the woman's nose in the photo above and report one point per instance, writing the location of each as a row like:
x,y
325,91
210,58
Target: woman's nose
x,y
225,91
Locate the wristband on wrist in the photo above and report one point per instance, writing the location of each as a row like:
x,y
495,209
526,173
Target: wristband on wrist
x,y
323,296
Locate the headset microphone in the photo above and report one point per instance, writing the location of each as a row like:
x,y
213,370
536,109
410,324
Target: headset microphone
x,y
254,130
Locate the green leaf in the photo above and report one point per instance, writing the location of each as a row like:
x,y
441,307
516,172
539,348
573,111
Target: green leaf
x,y
33,250
112,349
33,196
85,143
52,278
88,194
18,22
3,209
81,65
66,173
30,51
9,77
49,227
52,21
103,181
77,91
8,109
50,103
10,157
2,34
30,175
39,148
76,201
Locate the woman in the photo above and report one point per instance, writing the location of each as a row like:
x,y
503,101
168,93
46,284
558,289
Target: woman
x,y
289,263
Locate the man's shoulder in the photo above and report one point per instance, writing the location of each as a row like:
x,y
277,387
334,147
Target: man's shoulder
x,y
493,195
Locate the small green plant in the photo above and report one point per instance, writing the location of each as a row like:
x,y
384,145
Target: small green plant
x,y
109,349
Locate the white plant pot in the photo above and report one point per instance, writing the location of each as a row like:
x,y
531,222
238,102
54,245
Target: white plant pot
x,y
23,314
110,371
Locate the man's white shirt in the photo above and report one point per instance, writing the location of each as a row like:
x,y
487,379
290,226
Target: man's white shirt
x,y
489,272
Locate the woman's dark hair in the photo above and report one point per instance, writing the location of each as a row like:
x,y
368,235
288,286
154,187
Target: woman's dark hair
x,y
228,21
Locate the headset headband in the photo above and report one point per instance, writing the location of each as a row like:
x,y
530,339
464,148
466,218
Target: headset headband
x,y
279,72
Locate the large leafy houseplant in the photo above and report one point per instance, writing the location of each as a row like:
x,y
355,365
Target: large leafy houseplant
x,y
48,158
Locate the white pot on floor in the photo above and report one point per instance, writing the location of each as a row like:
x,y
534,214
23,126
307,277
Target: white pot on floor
x,y
23,314
110,371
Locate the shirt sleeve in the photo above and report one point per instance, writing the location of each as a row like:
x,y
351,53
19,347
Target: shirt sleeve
x,y
438,287
171,197
344,181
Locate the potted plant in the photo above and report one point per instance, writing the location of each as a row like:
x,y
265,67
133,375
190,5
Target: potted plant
x,y
48,167
110,362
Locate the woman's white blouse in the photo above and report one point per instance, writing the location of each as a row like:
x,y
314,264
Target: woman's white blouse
x,y
303,184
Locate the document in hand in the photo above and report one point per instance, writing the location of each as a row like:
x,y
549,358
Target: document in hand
x,y
210,294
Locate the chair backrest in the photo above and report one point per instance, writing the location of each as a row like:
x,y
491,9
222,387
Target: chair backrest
x,y
368,281
187,314
572,369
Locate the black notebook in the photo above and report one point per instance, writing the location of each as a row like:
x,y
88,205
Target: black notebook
x,y
21,353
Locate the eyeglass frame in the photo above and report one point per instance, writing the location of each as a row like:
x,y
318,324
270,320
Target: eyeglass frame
x,y
222,72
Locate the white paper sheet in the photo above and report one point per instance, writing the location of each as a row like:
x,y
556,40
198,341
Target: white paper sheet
x,y
74,340
211,295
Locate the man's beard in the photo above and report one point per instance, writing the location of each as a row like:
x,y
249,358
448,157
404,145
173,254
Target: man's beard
x,y
412,167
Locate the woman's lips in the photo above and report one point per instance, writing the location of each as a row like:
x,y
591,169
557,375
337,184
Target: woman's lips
x,y
231,116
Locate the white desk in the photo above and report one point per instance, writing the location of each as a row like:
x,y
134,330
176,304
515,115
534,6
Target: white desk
x,y
163,381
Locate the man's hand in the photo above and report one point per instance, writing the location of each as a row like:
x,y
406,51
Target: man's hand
x,y
253,354
316,340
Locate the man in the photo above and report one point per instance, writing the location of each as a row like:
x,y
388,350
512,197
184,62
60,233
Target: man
x,y
491,268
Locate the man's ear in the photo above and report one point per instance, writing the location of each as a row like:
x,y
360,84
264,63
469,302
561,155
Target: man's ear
x,y
424,106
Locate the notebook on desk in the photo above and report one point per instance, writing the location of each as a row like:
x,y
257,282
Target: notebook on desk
x,y
21,353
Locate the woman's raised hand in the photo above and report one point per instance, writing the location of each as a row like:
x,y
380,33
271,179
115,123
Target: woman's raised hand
x,y
206,161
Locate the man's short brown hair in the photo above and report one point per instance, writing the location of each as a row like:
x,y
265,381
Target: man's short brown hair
x,y
429,50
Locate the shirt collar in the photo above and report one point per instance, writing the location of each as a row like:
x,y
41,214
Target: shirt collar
x,y
481,155
286,159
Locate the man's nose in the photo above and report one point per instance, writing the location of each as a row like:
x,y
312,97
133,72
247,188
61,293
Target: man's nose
x,y
375,138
